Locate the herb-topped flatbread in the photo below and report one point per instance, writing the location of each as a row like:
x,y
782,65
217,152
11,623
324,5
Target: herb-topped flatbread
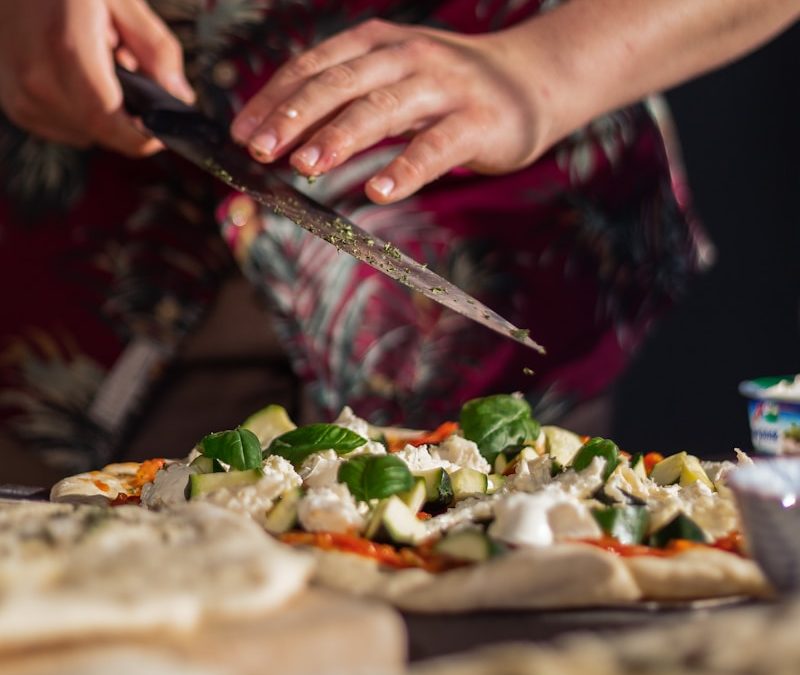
x,y
76,572
489,511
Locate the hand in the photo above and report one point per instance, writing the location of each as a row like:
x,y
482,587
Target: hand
x,y
466,100
57,68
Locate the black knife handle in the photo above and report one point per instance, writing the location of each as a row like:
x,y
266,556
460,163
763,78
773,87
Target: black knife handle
x,y
142,95
161,112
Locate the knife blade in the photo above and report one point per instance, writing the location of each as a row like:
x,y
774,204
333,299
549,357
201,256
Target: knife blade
x,y
207,144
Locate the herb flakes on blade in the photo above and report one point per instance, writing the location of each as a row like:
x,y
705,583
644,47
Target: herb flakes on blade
x,y
375,476
495,422
298,444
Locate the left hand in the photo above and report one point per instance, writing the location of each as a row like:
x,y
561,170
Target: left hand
x,y
472,101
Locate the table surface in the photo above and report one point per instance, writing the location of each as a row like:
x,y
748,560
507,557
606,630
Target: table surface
x,y
431,635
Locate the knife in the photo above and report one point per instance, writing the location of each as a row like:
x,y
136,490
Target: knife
x,y
207,143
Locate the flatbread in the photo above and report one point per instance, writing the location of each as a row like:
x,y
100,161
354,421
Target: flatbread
x,y
122,479
565,575
76,572
127,660
697,573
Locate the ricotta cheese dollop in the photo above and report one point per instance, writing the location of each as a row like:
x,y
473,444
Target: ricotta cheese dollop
x,y
461,452
321,469
330,509
419,458
349,420
539,519
258,498
169,486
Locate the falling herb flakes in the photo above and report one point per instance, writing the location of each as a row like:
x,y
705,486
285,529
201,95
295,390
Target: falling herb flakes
x,y
527,371
520,333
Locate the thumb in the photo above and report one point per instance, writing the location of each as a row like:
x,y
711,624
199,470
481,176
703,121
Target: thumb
x,y
153,45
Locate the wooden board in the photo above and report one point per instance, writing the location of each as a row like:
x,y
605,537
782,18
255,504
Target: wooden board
x,y
318,632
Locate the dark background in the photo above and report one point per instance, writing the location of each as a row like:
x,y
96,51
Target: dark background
x,y
740,132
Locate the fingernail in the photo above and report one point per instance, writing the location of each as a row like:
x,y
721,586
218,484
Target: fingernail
x,y
180,88
243,127
265,143
309,155
383,185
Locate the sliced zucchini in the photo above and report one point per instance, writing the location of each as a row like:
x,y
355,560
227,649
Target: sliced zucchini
x,y
392,520
500,463
470,545
203,464
282,517
269,423
561,445
692,471
438,488
668,470
468,483
416,497
680,527
638,467
627,524
495,482
209,482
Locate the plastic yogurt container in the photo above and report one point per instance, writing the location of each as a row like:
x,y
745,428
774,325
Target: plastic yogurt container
x,y
774,411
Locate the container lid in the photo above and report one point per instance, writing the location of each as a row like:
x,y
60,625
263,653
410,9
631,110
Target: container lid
x,y
758,388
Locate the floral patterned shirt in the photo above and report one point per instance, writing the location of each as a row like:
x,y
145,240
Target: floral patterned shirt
x,y
113,261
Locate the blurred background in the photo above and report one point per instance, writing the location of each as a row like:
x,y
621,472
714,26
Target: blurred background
x,y
740,132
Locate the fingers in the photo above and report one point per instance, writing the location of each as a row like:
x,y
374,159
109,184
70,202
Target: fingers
x,y
88,75
57,71
33,101
44,129
322,96
430,154
153,46
382,113
341,48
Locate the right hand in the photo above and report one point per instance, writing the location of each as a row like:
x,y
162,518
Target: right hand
x,y
57,68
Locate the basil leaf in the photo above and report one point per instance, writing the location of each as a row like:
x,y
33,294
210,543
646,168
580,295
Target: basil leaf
x,y
597,447
375,476
495,422
297,444
239,448
627,524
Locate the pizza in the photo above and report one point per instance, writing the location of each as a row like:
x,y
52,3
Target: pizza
x,y
71,572
490,511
